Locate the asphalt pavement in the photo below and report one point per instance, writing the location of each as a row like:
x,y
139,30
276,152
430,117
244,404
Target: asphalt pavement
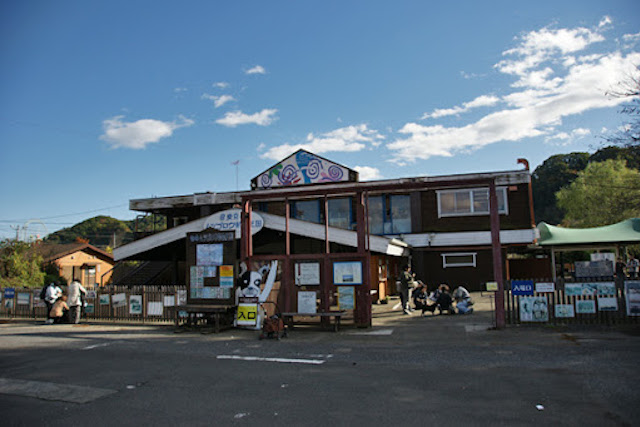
x,y
405,370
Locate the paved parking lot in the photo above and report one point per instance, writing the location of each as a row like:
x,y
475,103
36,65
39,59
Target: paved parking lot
x,y
445,370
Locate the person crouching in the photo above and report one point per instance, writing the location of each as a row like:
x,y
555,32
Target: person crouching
x,y
59,310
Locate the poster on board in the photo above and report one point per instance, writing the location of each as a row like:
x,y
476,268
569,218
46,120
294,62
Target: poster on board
x,y
346,297
119,300
226,276
632,295
587,306
565,310
533,309
545,287
154,308
307,302
307,273
135,304
24,298
607,304
209,254
347,273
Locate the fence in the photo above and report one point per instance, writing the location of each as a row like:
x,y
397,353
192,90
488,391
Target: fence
x,y
588,302
145,304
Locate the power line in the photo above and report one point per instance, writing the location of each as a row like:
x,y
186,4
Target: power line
x,y
70,214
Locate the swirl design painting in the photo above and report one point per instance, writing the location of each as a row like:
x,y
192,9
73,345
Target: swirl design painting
x,y
302,168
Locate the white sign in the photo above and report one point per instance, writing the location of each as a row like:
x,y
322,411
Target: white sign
x,y
545,287
347,273
607,256
307,302
307,273
231,220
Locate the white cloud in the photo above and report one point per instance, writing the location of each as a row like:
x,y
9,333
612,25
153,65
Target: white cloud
x,y
258,69
630,40
367,173
236,118
537,47
346,139
220,85
556,79
137,135
218,101
481,101
606,20
566,138
180,89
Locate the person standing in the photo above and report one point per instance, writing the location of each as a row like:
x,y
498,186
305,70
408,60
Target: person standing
x,y
52,294
632,267
76,290
406,281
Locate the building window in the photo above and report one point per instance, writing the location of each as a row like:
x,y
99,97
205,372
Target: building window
x,y
459,259
307,210
375,206
473,201
400,214
340,214
389,214
179,220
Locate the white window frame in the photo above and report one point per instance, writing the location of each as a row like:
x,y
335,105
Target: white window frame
x,y
504,211
446,264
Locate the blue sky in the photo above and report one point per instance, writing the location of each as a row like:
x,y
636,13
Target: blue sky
x,y
103,102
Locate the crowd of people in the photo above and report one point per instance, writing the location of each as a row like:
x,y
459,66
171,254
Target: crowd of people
x,y
629,269
414,292
64,307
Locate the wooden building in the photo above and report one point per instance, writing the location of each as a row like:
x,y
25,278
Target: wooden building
x,y
81,261
313,209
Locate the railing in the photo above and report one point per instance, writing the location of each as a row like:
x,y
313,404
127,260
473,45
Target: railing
x,y
144,304
593,301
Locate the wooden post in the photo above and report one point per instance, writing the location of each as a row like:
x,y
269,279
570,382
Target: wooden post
x,y
497,254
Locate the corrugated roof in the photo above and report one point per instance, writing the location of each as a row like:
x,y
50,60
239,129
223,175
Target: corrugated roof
x,y
627,231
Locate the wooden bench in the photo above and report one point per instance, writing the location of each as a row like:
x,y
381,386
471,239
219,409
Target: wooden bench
x,y
218,316
336,315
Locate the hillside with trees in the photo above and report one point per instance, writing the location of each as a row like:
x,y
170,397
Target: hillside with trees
x,y
106,232
561,170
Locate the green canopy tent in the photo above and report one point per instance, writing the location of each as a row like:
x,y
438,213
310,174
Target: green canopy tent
x,y
560,239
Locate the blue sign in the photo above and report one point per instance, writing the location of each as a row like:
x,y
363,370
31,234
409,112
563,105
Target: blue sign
x,y
522,287
9,293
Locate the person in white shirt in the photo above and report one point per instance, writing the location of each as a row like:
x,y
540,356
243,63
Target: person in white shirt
x,y
75,301
51,296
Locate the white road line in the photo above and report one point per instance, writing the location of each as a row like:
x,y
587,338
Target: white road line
x,y
375,332
91,347
270,359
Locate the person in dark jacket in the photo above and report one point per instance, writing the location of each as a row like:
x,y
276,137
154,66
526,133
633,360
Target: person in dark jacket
x,y
444,300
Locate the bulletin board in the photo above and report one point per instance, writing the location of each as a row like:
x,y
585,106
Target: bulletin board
x,y
211,267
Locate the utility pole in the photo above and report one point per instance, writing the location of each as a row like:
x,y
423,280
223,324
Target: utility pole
x,y
236,163
17,228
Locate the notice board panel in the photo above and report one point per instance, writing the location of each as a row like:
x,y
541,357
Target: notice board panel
x,y
212,267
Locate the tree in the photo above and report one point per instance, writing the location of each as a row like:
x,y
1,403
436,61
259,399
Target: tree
x,y
604,193
629,89
20,265
556,172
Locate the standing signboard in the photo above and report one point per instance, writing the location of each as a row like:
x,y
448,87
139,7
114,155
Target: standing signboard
x,y
211,261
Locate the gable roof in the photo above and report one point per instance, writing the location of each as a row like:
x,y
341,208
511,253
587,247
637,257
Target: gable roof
x,y
378,244
52,251
627,231
300,168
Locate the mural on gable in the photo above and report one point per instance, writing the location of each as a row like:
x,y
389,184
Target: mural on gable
x,y
302,168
